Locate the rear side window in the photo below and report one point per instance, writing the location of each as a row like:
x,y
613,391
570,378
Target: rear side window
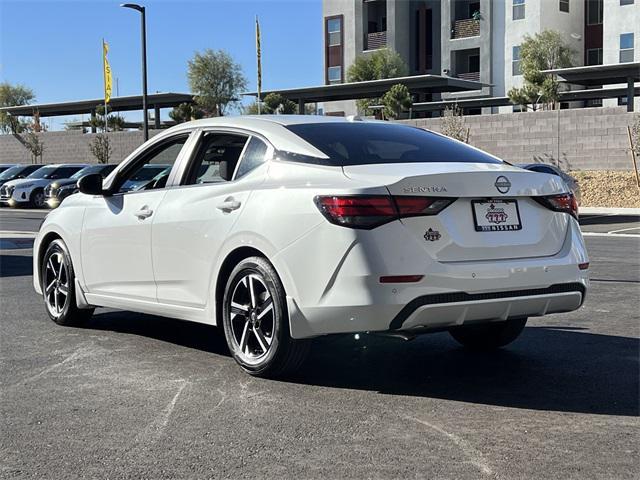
x,y
373,143
254,156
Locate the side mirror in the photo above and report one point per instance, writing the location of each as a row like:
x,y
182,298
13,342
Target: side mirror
x,y
91,184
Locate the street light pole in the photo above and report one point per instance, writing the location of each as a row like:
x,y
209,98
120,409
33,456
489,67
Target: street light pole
x,y
142,10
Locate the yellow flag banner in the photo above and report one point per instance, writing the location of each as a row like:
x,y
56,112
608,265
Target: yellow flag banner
x,y
259,57
107,72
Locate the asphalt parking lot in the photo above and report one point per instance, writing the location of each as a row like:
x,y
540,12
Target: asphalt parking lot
x,y
137,396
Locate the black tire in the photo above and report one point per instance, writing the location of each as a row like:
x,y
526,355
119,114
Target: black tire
x,y
489,336
36,199
57,276
264,322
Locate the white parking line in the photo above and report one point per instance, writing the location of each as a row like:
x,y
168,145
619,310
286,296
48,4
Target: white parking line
x,y
611,235
624,230
24,210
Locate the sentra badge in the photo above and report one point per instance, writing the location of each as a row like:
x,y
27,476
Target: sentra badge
x,y
426,189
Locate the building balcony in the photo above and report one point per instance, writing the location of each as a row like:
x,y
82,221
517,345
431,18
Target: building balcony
x,y
376,40
475,76
465,28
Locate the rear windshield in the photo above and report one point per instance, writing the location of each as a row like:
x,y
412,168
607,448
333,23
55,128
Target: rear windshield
x,y
364,143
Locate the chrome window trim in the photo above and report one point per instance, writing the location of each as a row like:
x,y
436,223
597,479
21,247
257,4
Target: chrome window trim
x,y
237,131
140,152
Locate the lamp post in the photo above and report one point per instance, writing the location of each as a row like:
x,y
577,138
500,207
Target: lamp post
x,y
141,9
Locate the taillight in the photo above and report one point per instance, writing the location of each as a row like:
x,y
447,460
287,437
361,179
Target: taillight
x,y
417,206
564,202
357,211
370,211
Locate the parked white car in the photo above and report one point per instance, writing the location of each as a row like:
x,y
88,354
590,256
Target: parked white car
x,y
29,191
280,229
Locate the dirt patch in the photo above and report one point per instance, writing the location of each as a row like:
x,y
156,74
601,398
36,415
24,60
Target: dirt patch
x,y
607,188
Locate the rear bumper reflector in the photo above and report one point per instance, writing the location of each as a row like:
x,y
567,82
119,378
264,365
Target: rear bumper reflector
x,y
401,278
583,266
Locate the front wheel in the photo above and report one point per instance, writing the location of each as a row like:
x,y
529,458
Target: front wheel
x,y
255,320
489,336
37,199
58,286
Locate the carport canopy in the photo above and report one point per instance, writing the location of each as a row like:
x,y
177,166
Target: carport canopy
x,y
155,101
372,89
597,75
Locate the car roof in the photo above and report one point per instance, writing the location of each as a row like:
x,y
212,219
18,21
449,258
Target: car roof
x,y
272,127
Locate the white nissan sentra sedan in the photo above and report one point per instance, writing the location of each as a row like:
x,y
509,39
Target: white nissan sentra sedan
x,y
285,228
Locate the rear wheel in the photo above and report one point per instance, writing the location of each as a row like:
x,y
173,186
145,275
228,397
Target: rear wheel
x,y
37,198
58,286
255,320
489,336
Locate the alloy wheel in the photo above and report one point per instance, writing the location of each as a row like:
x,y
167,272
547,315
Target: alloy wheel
x,y
56,282
38,200
252,318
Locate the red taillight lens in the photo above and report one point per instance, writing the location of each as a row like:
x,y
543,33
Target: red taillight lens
x,y
357,211
564,202
410,206
370,211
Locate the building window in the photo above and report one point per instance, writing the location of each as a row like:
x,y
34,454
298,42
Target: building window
x,y
515,62
564,6
518,9
334,74
594,12
626,47
594,56
334,30
626,2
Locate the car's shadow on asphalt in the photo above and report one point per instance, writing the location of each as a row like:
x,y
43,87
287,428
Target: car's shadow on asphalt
x,y
563,369
558,369
187,334
15,265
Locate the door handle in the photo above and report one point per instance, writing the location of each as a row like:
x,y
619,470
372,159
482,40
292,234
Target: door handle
x,y
144,212
229,205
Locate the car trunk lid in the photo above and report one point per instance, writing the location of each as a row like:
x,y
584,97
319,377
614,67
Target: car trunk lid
x,y
494,216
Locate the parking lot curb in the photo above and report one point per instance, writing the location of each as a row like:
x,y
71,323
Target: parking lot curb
x,y
609,211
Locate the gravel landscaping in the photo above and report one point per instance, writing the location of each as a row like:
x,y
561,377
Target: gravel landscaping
x,y
605,188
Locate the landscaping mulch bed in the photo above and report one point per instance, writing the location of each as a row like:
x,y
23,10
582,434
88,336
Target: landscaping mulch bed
x,y
606,188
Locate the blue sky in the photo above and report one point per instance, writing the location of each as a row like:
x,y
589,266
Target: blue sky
x,y
54,47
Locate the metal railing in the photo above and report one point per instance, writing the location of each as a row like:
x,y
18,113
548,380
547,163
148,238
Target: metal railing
x,y
469,76
376,40
465,28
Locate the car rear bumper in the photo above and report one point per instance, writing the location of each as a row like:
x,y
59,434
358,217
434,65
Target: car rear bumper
x,y
450,294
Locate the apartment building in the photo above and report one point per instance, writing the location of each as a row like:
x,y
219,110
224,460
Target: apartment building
x,y
473,39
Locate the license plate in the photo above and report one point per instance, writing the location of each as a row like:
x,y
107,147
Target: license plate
x,y
496,215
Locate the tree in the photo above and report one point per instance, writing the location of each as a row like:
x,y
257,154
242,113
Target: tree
x,y
546,50
453,124
32,142
396,100
100,148
185,112
11,96
216,80
273,104
383,63
526,95
115,122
